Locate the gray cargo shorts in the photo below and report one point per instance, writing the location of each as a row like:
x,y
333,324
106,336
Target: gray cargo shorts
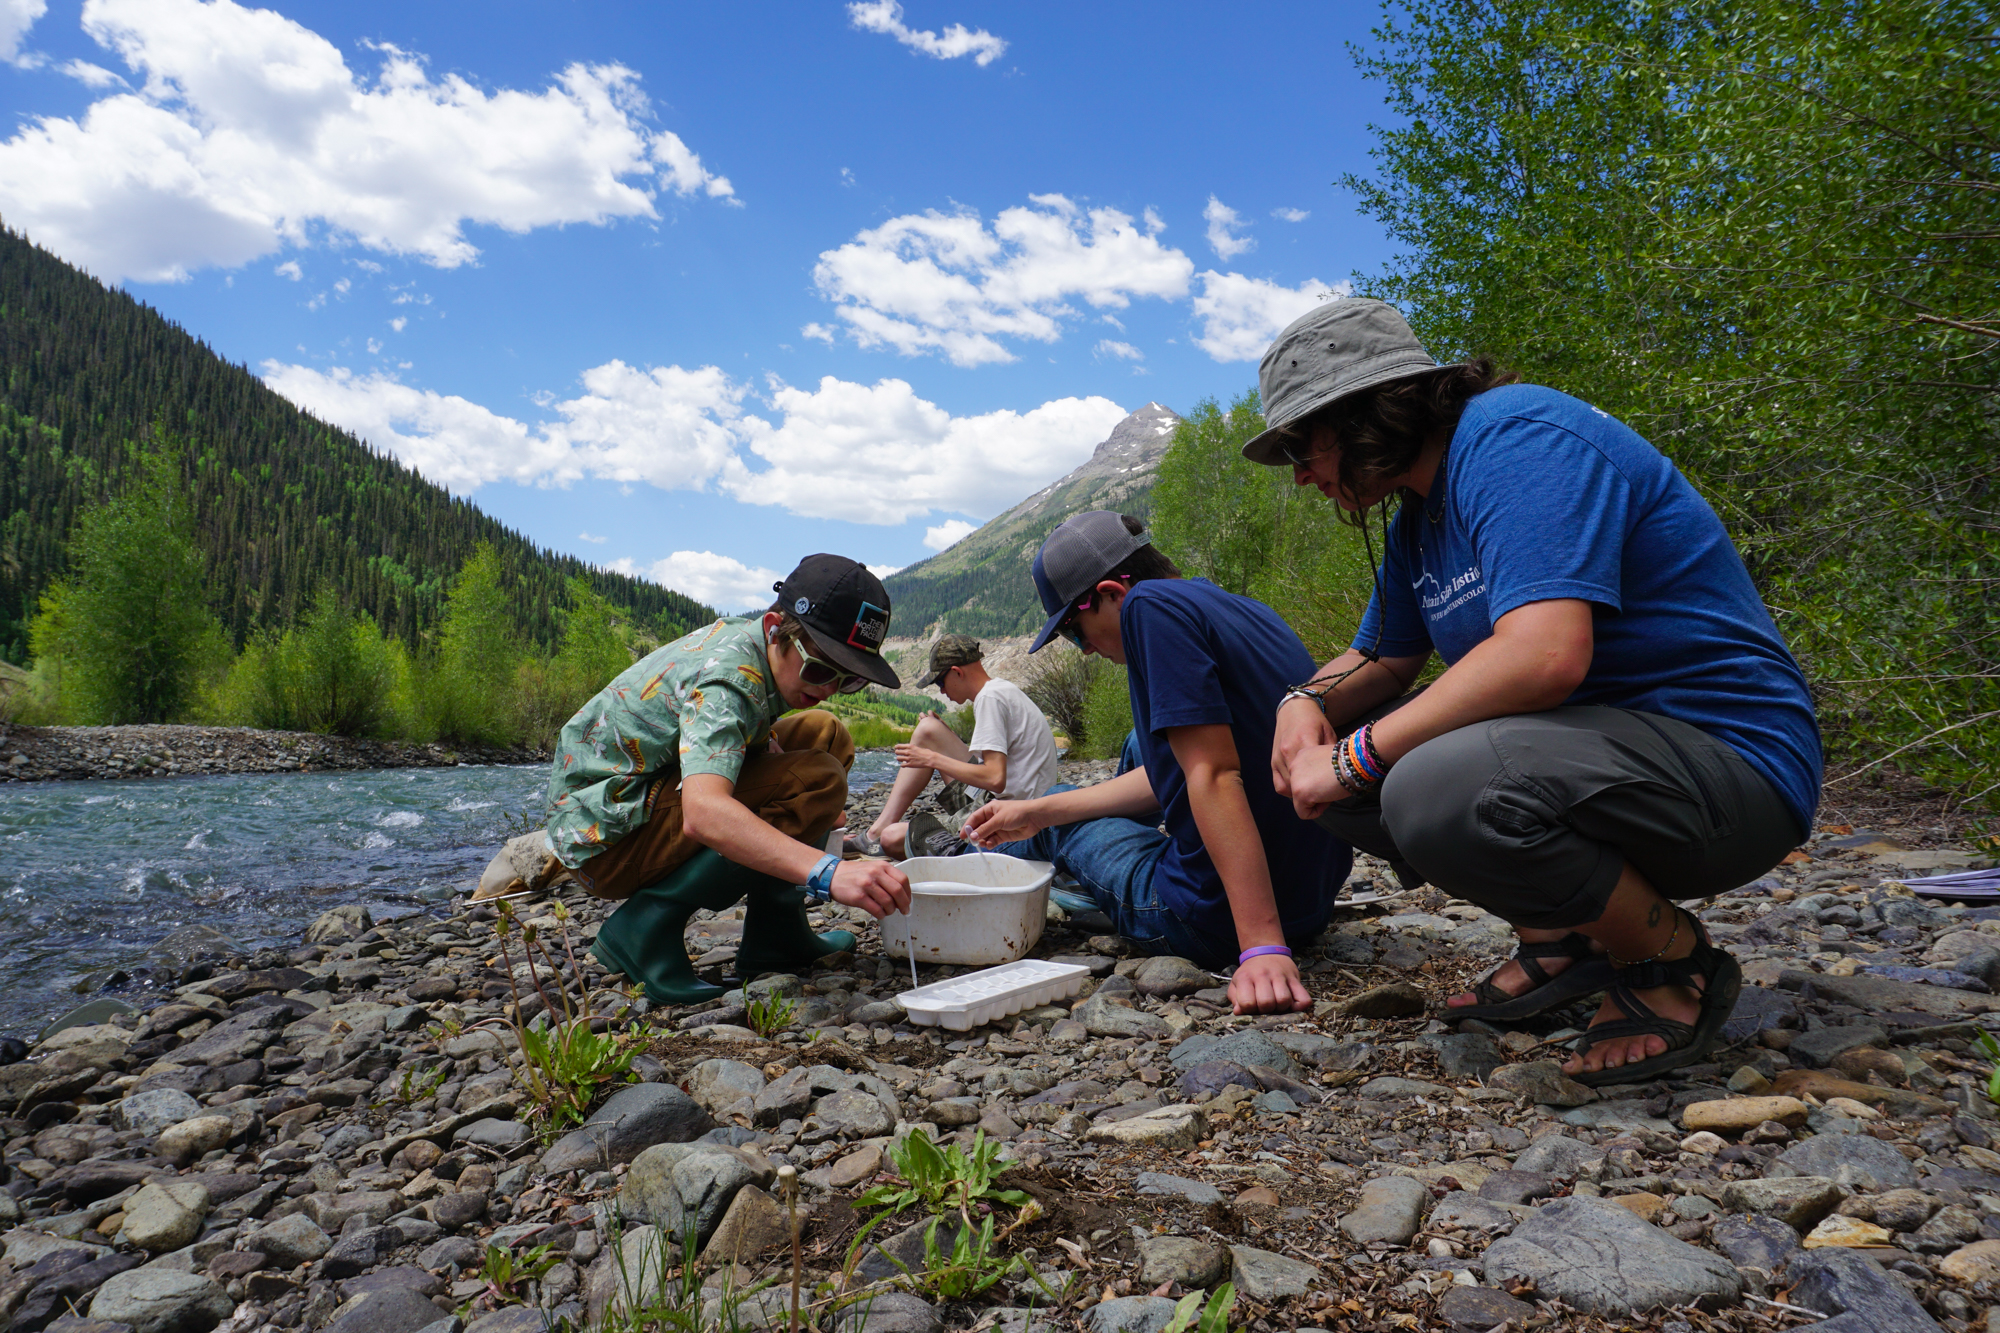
x,y
1534,817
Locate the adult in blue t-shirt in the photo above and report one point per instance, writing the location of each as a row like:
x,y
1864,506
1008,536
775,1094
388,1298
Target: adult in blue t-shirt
x,y
1235,874
1620,726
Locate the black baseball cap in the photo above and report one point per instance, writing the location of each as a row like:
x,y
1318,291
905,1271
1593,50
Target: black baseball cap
x,y
846,609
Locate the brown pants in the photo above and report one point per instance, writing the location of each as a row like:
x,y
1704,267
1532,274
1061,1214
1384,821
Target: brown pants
x,y
801,793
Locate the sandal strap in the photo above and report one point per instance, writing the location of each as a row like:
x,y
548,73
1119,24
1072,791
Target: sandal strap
x,y
1572,946
1676,1033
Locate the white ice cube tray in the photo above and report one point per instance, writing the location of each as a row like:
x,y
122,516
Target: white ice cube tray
x,y
963,1003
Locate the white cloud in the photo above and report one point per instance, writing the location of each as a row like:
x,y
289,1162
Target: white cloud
x,y
89,75
948,283
1290,214
399,323
451,440
886,17
1222,223
17,16
679,429
947,533
914,456
290,269
594,541
818,331
1123,351
1240,316
722,581
884,571
250,132
670,427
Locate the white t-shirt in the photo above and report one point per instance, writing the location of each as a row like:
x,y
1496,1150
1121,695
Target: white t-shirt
x,y
1006,721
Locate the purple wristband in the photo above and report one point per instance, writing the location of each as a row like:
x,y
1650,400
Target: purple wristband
x,y
1252,952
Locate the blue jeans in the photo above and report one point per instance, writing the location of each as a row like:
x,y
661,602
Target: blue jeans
x,y
1114,858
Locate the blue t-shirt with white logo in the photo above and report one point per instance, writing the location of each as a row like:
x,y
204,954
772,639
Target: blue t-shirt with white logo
x,y
1543,497
1196,656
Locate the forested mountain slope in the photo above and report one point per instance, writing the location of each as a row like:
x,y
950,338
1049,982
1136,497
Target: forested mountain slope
x,y
284,502
981,585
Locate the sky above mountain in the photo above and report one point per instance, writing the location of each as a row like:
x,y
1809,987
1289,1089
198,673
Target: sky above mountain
x,y
693,291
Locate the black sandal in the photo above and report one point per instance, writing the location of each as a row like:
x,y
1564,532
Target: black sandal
x,y
1587,974
1721,981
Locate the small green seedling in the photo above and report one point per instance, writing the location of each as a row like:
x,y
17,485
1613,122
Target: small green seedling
x,y
942,1180
769,1014
506,1274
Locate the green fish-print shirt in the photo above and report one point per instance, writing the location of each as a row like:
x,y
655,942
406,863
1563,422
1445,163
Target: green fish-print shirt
x,y
695,706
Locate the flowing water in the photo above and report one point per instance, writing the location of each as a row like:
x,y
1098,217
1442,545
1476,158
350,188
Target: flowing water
x,y
94,875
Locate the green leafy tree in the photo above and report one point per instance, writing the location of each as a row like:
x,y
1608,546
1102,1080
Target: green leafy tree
x,y
591,654
1248,529
470,689
130,625
333,672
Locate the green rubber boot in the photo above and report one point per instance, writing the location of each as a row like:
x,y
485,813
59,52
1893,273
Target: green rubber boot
x,y
776,935
646,937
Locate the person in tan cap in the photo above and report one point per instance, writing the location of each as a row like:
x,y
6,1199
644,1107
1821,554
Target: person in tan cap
x,y
1012,753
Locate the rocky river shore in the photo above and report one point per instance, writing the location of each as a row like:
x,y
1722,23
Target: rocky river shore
x,y
343,1135
43,754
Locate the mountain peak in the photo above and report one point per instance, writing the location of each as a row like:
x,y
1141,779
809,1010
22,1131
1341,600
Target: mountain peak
x,y
980,585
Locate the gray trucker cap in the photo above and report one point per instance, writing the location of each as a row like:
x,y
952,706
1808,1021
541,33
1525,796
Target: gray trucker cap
x,y
1072,560
1337,348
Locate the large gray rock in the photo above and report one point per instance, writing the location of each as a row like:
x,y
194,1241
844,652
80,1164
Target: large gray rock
x,y
1800,1202
1247,1048
159,1300
1755,1241
674,1184
1267,1277
720,1084
632,1120
1180,1187
290,1241
851,1115
1130,1314
340,923
1391,1208
156,1109
165,1215
1167,976
1183,1259
1603,1260
1858,1161
1102,1018
1860,1296
394,1310
243,1037
1559,1155
1817,1048
1542,1081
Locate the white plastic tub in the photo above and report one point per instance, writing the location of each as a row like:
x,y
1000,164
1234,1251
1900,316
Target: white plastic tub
x,y
963,1003
971,910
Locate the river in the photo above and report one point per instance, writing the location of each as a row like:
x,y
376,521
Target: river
x,y
95,874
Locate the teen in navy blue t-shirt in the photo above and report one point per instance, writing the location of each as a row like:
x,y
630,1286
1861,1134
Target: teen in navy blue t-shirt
x,y
1619,726
1236,879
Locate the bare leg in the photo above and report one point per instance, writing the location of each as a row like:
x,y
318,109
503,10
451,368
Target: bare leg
x,y
1638,923
892,838
910,782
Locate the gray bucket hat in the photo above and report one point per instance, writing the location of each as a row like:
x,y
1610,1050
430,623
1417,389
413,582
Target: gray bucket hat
x,y
1337,348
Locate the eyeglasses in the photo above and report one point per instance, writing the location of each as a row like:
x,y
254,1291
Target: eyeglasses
x,y
816,671
1296,460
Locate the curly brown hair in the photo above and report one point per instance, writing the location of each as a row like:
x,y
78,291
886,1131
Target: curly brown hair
x,y
1382,430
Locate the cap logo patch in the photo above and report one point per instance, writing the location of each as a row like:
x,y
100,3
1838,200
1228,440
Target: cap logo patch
x,y
871,626
801,606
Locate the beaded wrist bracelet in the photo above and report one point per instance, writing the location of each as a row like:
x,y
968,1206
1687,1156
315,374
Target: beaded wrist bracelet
x,y
1357,763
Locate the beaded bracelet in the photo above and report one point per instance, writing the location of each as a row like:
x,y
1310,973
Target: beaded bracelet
x,y
1357,763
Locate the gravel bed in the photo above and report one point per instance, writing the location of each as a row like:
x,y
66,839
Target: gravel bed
x,y
332,1136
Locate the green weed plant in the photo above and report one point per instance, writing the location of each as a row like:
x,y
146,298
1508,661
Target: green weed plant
x,y
565,1062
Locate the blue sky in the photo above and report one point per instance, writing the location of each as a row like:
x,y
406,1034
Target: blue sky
x,y
696,290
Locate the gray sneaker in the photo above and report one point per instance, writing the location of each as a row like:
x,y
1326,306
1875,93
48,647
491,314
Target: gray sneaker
x,y
928,836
